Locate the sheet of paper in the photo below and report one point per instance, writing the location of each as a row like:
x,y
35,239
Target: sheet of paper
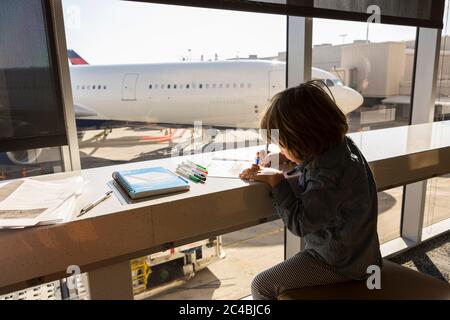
x,y
29,202
227,168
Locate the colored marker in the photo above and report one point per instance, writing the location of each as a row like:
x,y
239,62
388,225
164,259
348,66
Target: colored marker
x,y
197,166
196,173
190,167
189,176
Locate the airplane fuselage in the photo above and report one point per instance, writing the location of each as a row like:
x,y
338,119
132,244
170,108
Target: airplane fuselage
x,y
222,93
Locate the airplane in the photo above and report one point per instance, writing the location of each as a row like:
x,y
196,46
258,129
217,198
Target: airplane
x,y
231,93
220,94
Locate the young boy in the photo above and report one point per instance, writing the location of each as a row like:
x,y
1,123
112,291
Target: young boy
x,y
336,209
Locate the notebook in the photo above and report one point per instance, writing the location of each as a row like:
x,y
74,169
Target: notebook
x,y
147,182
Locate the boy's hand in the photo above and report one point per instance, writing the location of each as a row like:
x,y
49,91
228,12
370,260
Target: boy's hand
x,y
267,175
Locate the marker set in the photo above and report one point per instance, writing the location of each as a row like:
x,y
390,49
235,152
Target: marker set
x,y
192,171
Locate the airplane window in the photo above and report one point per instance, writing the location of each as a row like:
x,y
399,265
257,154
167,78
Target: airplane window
x,y
82,88
150,86
234,85
156,86
162,86
93,87
169,86
330,83
174,86
187,86
89,87
228,85
242,86
104,87
214,85
200,86
220,86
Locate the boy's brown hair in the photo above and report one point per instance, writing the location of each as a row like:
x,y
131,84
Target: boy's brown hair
x,y
308,120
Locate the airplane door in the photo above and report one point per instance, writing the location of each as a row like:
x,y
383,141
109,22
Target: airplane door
x,y
129,87
277,80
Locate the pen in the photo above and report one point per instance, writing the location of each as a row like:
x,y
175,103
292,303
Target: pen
x,y
258,158
292,171
95,203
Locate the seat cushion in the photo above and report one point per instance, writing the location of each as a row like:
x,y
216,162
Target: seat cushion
x,y
397,283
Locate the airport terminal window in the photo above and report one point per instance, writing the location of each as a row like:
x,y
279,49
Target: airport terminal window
x,y
29,163
370,73
437,201
137,130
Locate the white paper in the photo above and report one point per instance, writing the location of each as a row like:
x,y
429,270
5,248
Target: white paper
x,y
227,168
36,202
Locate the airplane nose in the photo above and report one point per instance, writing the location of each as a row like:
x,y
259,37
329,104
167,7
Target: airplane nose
x,y
347,99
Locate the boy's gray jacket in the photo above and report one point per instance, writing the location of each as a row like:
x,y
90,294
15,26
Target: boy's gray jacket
x,y
335,210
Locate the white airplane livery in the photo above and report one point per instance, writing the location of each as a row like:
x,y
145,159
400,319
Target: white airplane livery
x,y
230,93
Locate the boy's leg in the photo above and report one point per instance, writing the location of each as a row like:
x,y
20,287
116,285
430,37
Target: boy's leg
x,y
302,270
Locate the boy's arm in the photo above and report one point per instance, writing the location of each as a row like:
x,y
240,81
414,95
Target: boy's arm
x,y
312,209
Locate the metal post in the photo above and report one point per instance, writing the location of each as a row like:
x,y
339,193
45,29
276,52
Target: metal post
x,y
112,282
70,157
423,104
299,70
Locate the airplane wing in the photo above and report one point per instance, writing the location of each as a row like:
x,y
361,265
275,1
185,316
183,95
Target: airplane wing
x,y
83,112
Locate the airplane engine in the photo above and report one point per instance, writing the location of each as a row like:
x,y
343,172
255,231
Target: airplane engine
x,y
24,157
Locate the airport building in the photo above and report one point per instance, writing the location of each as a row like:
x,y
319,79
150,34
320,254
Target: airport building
x,y
124,160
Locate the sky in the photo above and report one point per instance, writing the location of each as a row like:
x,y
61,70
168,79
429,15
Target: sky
x,y
114,32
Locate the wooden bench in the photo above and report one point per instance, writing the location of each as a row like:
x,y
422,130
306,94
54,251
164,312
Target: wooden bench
x,y
397,283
